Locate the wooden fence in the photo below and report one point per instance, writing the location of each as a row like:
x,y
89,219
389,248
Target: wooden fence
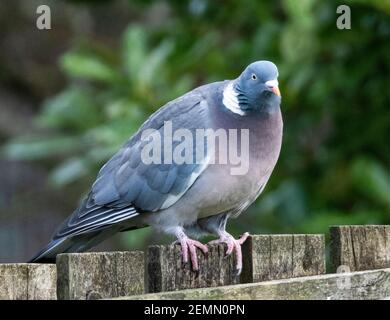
x,y
275,267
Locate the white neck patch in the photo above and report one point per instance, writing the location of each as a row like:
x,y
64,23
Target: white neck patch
x,y
230,99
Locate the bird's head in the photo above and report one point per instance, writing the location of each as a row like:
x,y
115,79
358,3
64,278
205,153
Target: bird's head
x,y
257,87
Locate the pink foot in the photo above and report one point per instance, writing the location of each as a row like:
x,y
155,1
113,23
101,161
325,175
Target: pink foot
x,y
188,246
233,244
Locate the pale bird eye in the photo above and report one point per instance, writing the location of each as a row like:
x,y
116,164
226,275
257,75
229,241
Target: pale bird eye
x,y
254,77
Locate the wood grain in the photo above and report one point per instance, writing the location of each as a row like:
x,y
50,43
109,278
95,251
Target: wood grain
x,y
27,281
265,257
271,257
360,247
166,271
361,285
100,275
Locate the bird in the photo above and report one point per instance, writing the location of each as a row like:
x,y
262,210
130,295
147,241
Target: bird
x,y
187,200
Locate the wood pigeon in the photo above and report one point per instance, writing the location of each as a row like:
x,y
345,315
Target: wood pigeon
x,y
185,198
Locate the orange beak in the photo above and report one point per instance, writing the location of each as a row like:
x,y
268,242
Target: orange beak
x,y
276,91
274,86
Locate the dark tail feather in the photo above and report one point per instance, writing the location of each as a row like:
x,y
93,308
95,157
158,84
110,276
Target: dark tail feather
x,y
79,243
48,254
87,233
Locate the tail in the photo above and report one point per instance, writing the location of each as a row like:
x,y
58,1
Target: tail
x,y
86,227
79,243
49,253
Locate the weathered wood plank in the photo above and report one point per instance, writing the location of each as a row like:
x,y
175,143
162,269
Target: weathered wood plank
x,y
27,281
99,275
42,282
166,271
361,285
13,282
360,247
271,257
265,257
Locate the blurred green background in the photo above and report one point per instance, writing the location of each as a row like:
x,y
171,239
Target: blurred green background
x,y
70,96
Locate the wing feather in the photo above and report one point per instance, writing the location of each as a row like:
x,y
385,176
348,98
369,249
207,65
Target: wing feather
x,y
126,187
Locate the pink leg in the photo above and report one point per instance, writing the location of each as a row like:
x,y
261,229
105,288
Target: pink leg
x,y
189,246
232,244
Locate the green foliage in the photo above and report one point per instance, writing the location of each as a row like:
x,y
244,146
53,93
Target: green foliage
x,y
334,165
109,96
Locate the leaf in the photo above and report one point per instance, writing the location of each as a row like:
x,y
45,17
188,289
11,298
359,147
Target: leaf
x,y
151,69
287,202
26,148
69,171
74,109
134,50
372,179
89,66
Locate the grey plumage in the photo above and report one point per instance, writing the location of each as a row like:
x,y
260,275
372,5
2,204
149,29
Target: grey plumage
x,y
198,197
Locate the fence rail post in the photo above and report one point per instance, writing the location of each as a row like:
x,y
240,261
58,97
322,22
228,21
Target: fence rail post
x,y
360,247
370,284
265,257
167,273
297,260
271,257
98,275
27,281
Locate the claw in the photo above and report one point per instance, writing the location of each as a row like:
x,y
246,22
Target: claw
x,y
233,245
188,250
